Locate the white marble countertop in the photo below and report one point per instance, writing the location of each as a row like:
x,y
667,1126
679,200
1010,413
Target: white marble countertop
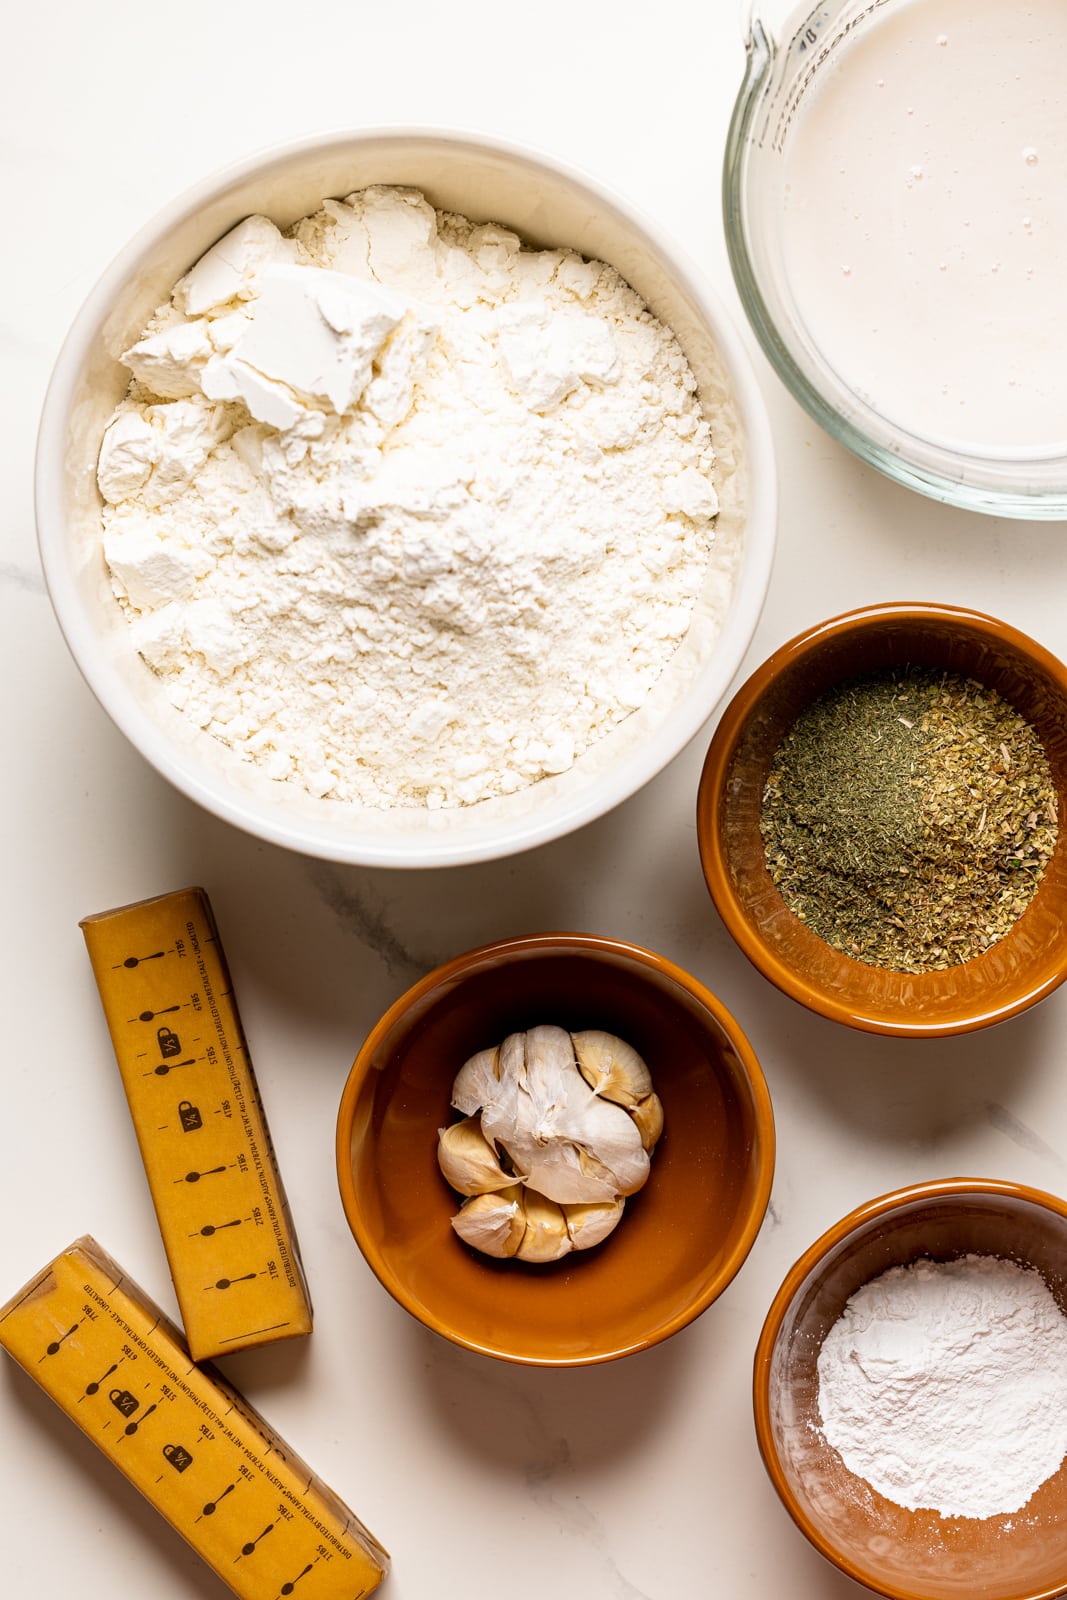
x,y
639,1480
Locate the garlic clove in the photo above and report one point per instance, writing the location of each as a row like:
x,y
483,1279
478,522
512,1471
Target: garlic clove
x,y
512,1068
493,1080
611,1067
468,1161
588,1225
549,1074
647,1116
516,1110
495,1224
476,1081
546,1237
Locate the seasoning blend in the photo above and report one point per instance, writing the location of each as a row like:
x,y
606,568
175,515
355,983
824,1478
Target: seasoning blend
x,y
908,818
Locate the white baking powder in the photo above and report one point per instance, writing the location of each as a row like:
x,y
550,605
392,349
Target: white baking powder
x,y
403,511
944,1385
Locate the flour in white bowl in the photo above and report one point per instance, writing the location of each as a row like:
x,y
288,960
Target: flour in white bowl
x,y
944,1385
403,511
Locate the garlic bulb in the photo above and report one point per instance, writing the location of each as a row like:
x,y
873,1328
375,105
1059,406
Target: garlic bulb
x,y
561,1125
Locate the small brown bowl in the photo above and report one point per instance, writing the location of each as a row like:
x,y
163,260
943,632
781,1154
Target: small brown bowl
x,y
906,1555
682,1237
1024,966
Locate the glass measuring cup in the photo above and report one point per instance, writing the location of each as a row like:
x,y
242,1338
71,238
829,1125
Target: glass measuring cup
x,y
793,53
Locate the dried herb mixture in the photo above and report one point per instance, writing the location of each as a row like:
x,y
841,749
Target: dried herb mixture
x,y
908,818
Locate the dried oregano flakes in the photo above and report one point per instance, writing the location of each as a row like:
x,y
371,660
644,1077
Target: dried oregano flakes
x,y
908,817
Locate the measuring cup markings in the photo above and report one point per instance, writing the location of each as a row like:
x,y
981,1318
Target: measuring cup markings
x,y
807,38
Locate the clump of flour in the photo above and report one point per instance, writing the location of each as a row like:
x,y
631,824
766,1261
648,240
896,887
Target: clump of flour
x,y
944,1385
403,511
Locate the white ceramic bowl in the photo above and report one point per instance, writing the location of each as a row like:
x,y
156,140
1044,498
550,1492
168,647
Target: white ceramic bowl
x,y
548,205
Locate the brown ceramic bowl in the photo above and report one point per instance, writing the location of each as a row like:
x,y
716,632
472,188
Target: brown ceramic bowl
x,y
682,1237
1024,966
907,1555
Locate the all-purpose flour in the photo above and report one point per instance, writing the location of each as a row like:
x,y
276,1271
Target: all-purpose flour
x,y
944,1385
401,510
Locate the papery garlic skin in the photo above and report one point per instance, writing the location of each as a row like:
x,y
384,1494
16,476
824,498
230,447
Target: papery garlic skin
x,y
570,1120
569,1144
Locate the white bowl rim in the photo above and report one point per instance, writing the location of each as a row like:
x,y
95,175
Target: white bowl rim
x,y
303,836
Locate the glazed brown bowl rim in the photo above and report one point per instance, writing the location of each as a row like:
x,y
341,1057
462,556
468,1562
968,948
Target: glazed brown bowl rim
x,y
869,1211
559,943
711,793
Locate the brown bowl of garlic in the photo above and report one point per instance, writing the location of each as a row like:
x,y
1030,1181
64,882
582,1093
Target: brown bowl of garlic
x,y
556,1149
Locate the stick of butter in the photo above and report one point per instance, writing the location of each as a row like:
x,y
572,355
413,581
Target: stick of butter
x,y
199,1121
206,1460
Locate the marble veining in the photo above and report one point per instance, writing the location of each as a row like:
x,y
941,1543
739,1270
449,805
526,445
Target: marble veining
x,y
1013,1127
367,923
14,575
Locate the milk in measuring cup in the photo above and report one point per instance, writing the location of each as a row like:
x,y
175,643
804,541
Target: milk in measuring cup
x,y
925,235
